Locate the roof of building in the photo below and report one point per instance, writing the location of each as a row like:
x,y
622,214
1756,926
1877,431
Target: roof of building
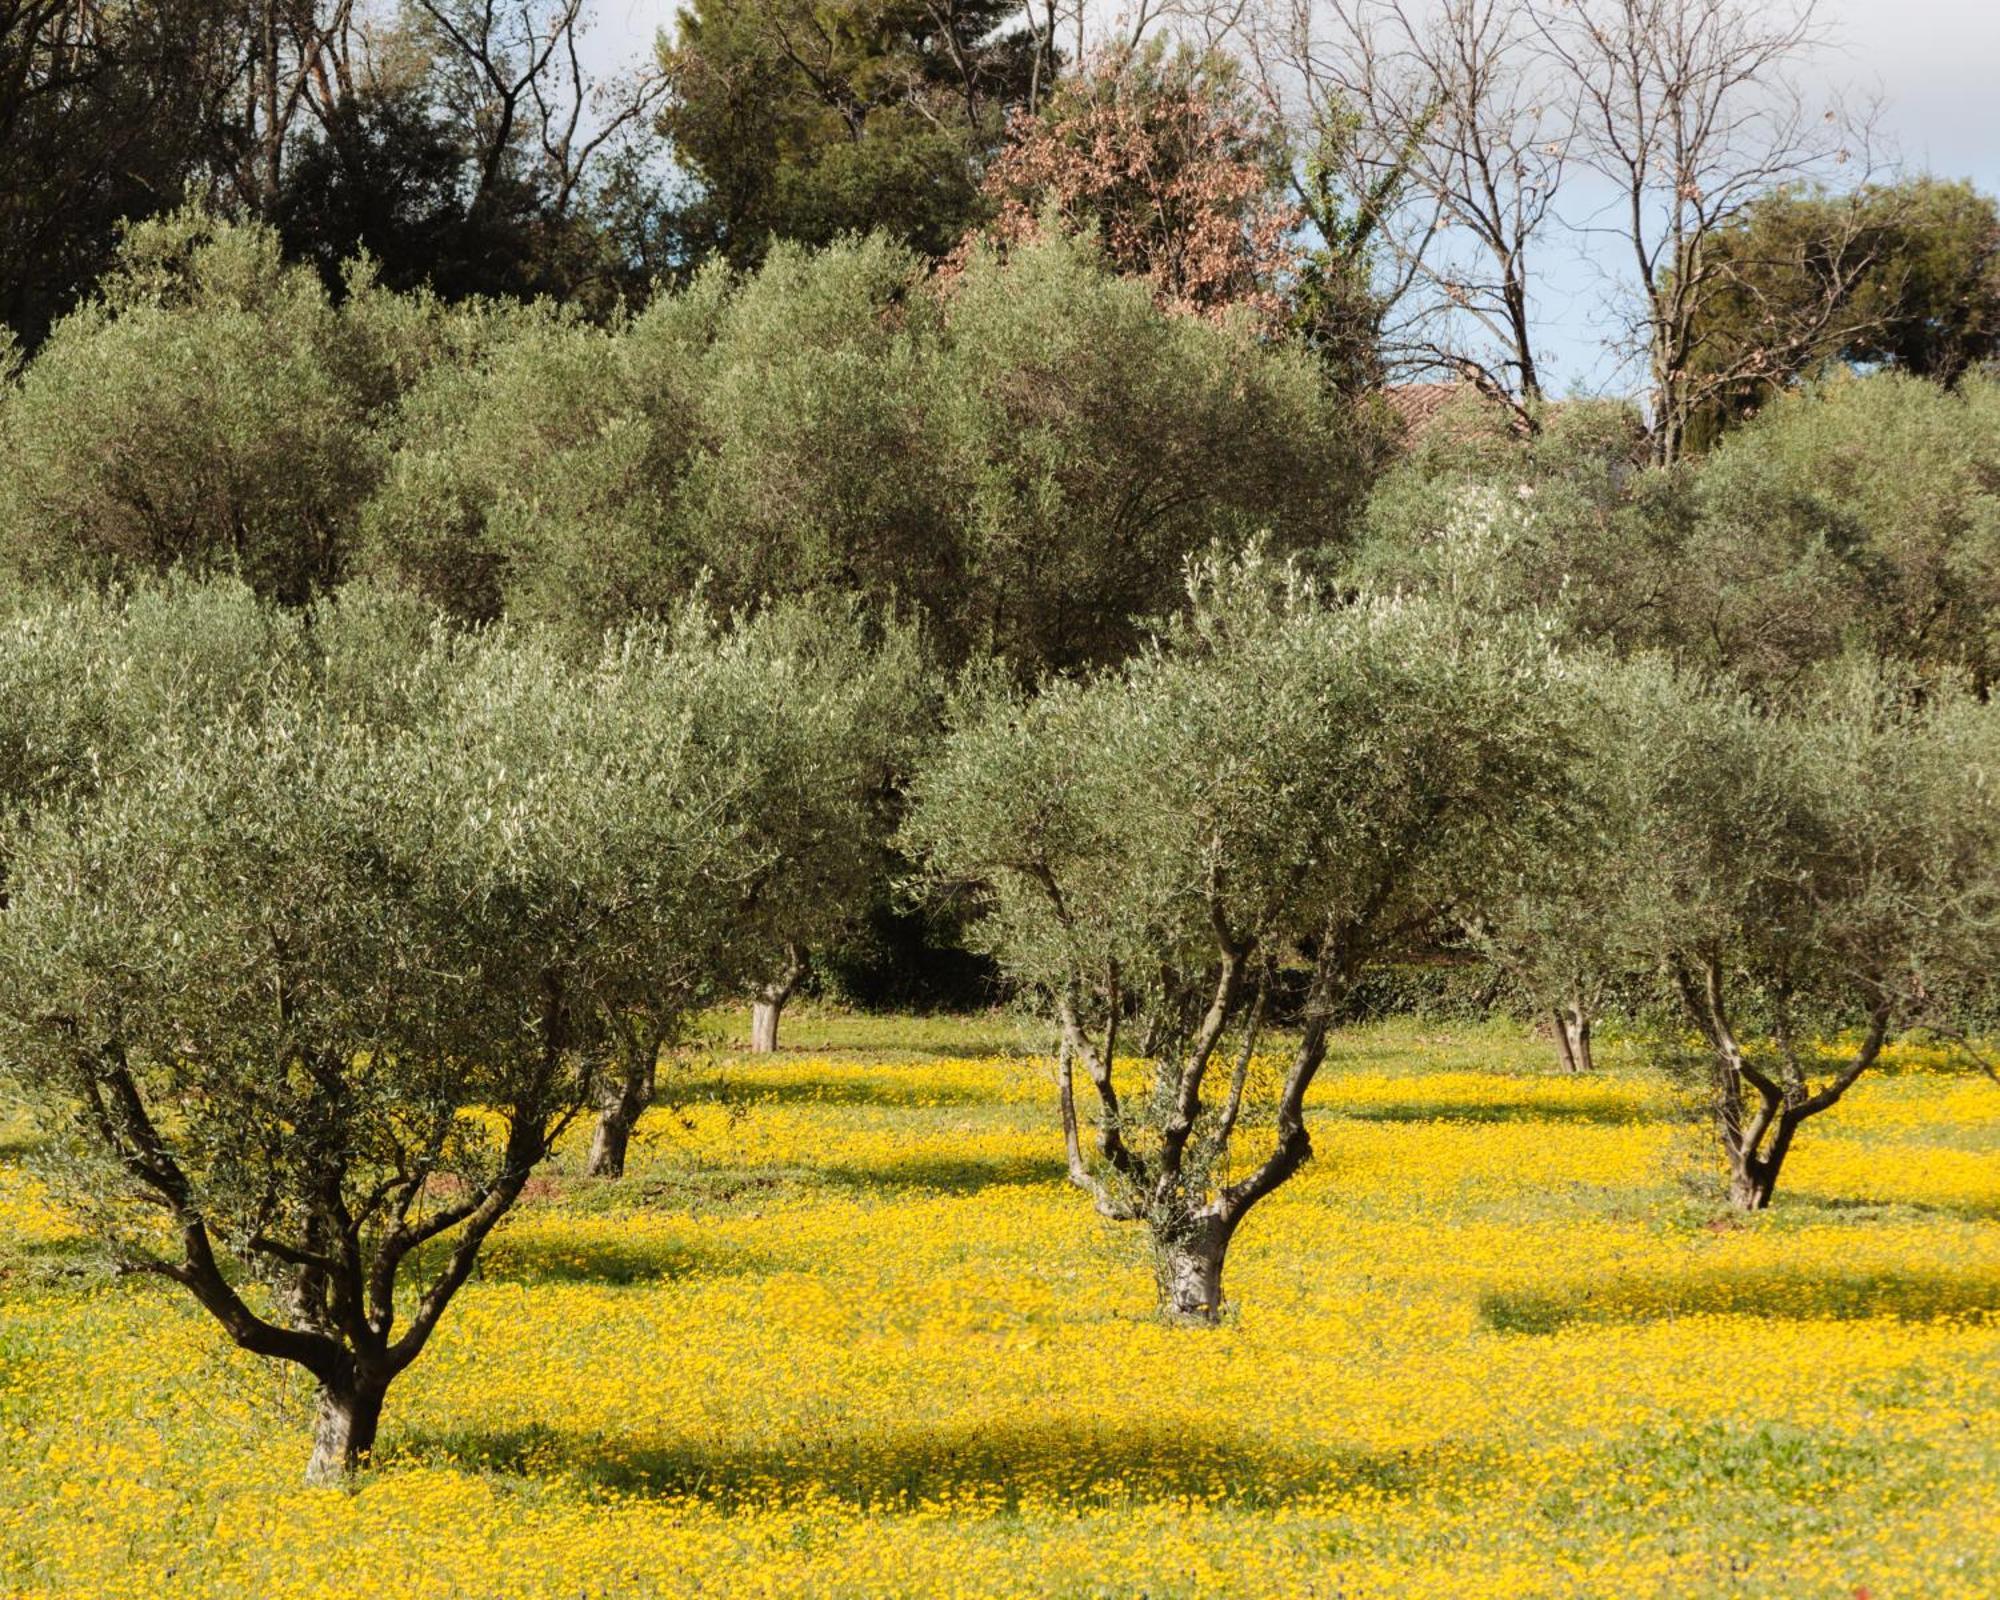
x,y
1422,409
1418,405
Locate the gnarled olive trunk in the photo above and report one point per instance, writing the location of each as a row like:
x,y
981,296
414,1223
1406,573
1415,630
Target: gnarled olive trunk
x,y
1757,1137
769,1003
349,1411
608,1144
1753,1174
1188,1259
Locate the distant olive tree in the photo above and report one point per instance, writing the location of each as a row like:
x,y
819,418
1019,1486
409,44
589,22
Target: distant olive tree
x,y
304,995
801,718
1020,454
1860,513
1096,445
1282,779
211,409
847,712
1863,512
1807,883
1547,919
535,475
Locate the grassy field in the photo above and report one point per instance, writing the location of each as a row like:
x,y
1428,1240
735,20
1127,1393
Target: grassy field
x,y
843,1331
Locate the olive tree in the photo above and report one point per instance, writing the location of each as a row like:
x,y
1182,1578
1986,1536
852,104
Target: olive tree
x,y
1809,883
84,679
1873,504
1022,452
303,997
1096,444
845,706
535,476
210,408
803,715
1281,778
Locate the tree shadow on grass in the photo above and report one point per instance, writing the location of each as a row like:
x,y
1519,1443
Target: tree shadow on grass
x,y
1847,1206
1786,1296
1500,1111
887,1088
530,1258
947,1174
997,1467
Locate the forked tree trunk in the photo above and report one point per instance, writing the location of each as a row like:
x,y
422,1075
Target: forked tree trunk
x,y
1749,1188
344,1430
1189,1260
1753,1176
769,1002
625,1100
1572,1024
1784,1098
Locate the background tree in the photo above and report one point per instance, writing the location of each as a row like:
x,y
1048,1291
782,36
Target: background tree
x,y
802,121
1911,270
1862,515
798,719
536,476
1690,111
820,468
1444,123
1165,158
107,112
212,409
1282,778
848,713
1101,444
1856,515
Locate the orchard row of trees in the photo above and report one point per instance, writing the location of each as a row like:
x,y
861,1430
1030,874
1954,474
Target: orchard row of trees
x,y
418,703
1395,184
1021,453
321,929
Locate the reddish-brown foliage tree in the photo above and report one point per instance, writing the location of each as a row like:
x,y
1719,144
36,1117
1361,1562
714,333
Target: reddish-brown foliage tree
x,y
1167,160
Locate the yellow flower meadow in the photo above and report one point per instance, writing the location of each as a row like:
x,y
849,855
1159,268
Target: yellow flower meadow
x,y
843,1331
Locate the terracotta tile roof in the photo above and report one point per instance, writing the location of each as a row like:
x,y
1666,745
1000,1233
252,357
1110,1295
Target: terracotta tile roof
x,y
1417,405
1421,409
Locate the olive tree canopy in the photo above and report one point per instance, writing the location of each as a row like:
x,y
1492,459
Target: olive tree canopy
x,y
306,992
1282,779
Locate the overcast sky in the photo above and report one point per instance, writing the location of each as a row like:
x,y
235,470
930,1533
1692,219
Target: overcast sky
x,y
1936,63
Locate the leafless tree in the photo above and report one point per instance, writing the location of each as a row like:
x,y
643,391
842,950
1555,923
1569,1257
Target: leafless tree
x,y
1687,112
1443,129
298,62
514,71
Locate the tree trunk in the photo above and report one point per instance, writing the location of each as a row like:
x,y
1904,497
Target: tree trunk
x,y
1565,1051
343,1431
608,1144
1753,1178
1189,1263
764,1011
624,1101
1573,1038
770,1000
1749,1188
